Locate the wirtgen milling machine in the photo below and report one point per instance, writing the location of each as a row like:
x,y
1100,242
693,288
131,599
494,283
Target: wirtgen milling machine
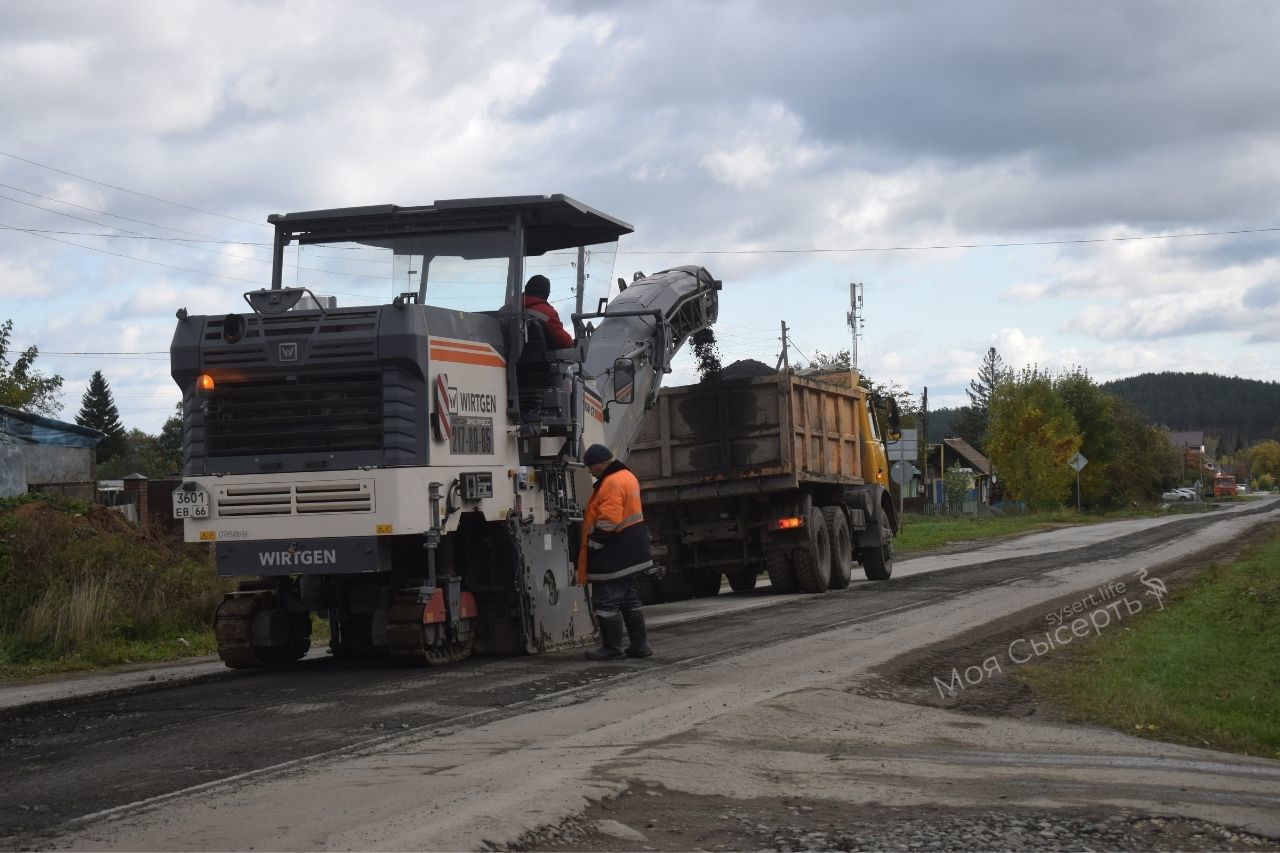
x,y
408,468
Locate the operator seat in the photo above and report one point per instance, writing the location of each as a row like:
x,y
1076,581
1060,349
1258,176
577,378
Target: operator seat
x,y
545,379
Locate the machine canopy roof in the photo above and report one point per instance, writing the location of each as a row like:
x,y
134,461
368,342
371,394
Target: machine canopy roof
x,y
550,222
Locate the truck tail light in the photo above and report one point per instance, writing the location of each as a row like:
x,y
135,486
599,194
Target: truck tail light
x,y
790,523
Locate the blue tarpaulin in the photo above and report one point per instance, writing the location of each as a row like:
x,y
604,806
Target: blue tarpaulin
x,y
35,429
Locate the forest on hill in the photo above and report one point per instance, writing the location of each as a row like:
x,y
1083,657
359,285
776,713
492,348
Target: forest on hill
x,y
1234,413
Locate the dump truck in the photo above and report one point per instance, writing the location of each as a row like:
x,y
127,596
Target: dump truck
x,y
784,473
406,467
1224,485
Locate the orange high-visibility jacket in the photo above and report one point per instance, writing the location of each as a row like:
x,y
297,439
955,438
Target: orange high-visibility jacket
x,y
615,539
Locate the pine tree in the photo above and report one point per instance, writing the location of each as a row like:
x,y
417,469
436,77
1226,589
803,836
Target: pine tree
x,y
98,411
974,420
990,373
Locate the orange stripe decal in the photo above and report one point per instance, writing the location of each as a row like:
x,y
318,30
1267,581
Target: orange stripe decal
x,y
467,345
465,352
488,360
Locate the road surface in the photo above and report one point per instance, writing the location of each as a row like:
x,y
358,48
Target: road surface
x,y
750,698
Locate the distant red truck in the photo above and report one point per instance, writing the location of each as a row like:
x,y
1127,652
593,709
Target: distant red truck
x,y
1224,485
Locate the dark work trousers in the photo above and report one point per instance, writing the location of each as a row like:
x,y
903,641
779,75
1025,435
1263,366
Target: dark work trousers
x,y
611,598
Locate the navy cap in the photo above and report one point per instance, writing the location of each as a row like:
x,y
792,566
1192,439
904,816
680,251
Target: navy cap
x,y
538,285
596,453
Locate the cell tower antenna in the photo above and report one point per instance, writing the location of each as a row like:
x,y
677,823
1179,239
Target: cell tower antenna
x,y
854,318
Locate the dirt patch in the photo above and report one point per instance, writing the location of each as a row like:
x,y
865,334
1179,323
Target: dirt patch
x,y
94,517
653,817
55,521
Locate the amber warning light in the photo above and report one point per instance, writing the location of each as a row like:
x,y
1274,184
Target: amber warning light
x,y
786,523
204,384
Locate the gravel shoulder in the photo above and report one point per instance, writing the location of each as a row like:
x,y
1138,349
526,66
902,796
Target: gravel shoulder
x,y
653,817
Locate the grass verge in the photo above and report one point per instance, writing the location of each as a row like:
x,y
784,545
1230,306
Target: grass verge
x,y
84,588
928,532
1204,671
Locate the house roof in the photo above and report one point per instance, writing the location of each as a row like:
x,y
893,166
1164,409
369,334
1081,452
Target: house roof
x,y
1191,438
37,429
965,451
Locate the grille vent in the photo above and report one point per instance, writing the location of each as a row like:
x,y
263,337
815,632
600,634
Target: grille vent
x,y
312,413
295,498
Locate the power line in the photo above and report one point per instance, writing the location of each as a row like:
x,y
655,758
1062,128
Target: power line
x,y
113,215
125,233
1009,245
1005,245
132,236
119,352
131,192
44,234
128,257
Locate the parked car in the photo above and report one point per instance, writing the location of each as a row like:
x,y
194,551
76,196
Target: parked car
x,y
1179,495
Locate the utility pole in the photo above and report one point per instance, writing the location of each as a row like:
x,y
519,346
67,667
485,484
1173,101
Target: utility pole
x,y
580,280
924,445
856,323
783,361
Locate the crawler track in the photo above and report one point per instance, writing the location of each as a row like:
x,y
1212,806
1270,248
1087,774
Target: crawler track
x,y
415,641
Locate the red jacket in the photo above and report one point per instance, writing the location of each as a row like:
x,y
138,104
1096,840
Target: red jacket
x,y
560,339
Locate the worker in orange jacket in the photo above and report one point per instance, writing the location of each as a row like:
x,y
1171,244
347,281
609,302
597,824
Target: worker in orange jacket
x,y
613,554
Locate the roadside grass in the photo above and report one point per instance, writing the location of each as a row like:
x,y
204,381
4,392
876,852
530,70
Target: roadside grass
x,y
1205,671
927,532
84,588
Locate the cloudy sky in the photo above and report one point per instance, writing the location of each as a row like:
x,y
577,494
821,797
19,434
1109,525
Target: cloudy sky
x,y
1024,175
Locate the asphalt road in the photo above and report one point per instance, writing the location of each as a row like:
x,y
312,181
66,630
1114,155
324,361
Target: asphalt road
x,y
71,766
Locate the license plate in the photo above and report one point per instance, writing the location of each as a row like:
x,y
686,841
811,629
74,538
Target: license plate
x,y
190,503
471,435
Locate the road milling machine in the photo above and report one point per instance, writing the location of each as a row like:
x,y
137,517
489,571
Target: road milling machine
x,y
407,467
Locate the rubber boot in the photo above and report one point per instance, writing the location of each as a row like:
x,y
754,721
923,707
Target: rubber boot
x,y
639,635
610,640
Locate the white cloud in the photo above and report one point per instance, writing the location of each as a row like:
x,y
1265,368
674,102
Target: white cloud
x,y
20,278
885,125
1029,291
758,146
1165,316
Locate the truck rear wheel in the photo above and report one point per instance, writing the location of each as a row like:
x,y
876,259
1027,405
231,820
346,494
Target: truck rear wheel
x,y
647,589
781,577
812,561
743,581
877,561
355,636
841,547
674,586
706,585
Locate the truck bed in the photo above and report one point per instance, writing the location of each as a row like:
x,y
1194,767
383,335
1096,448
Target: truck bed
x,y
753,435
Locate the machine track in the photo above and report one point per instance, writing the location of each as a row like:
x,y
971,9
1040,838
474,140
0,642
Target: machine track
x,y
233,629
416,640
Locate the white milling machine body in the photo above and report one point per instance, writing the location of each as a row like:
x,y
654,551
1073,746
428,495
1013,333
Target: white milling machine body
x,y
408,468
